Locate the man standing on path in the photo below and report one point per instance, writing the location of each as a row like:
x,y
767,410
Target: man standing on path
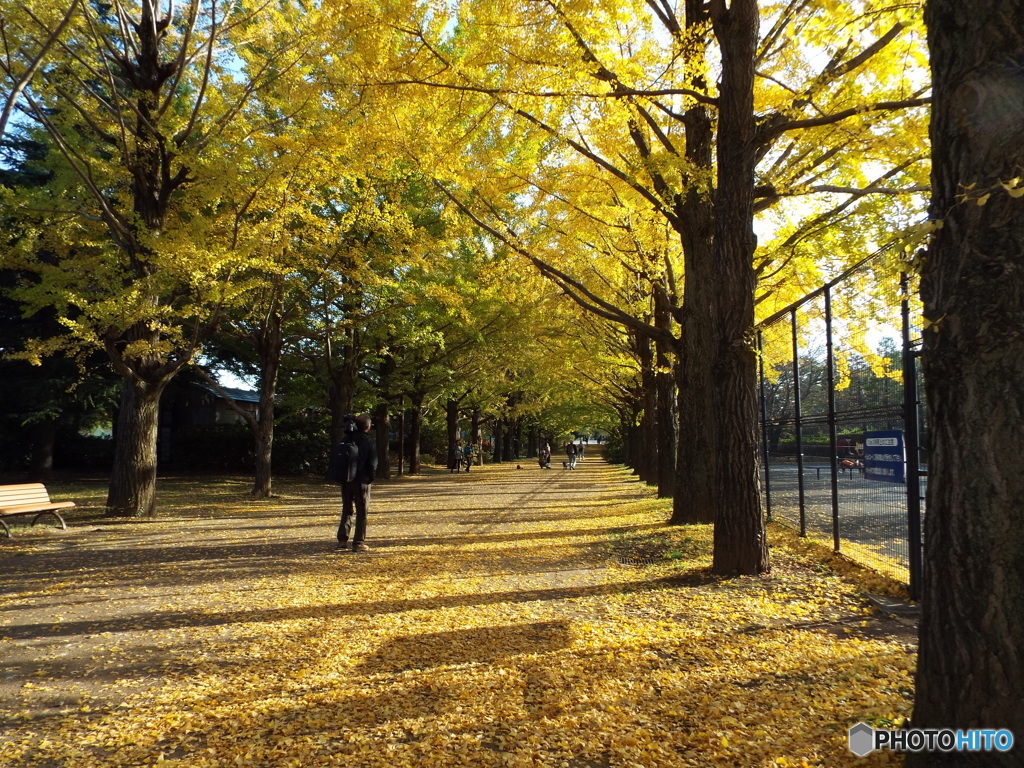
x,y
354,465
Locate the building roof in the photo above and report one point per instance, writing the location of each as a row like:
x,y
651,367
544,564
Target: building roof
x,y
238,395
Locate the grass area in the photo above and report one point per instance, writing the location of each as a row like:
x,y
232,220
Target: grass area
x,y
503,618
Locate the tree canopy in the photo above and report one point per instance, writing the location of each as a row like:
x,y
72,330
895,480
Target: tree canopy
x,y
538,211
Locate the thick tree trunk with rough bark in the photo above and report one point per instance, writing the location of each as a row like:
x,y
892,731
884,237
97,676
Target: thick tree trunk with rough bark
x,y
693,498
741,544
971,663
694,495
132,491
156,175
666,401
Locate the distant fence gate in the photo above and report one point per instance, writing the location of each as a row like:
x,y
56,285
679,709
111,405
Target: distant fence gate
x,y
842,425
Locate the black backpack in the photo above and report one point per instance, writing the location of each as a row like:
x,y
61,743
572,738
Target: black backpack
x,y
344,464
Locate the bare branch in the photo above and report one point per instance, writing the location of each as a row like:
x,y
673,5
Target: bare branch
x,y
618,94
838,70
769,132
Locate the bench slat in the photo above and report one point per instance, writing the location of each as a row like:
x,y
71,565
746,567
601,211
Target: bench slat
x,y
33,493
22,509
23,487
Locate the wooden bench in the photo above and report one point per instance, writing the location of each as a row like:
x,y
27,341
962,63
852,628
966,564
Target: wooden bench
x,y
27,499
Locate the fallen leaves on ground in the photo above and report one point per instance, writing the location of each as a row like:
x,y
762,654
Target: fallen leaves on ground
x,y
504,618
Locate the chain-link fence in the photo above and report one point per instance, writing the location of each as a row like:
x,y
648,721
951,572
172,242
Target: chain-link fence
x,y
836,417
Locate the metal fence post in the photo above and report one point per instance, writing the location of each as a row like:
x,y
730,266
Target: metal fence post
x,y
797,427
912,446
764,429
833,448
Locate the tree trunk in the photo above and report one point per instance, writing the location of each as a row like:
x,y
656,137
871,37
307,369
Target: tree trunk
x,y
452,424
970,670
382,423
156,178
132,491
40,468
499,441
631,451
741,544
270,344
694,494
415,432
476,435
666,402
338,407
510,433
342,388
517,440
401,436
648,428
263,443
382,418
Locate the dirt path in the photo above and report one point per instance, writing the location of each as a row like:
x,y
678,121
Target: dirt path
x,y
244,638
77,606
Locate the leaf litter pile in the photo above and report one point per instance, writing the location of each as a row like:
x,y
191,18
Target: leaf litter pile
x,y
502,618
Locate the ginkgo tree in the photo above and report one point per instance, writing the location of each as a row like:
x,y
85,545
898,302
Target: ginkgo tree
x,y
705,117
971,667
142,110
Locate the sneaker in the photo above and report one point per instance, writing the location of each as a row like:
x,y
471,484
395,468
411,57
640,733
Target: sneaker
x,y
360,548
342,545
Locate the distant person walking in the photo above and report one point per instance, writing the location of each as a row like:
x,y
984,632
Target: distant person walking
x,y
579,450
570,451
353,465
545,456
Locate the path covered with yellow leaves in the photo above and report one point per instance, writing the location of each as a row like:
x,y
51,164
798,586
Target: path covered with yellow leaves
x,y
508,617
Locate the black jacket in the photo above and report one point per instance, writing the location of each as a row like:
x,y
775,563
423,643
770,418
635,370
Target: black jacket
x,y
367,458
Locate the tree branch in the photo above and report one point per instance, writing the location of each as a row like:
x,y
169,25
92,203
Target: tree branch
x,y
21,82
770,132
572,288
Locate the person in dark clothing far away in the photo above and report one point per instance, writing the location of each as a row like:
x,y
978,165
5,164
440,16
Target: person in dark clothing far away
x,y
353,465
545,456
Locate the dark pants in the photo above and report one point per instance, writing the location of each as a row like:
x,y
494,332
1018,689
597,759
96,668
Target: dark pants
x,y
353,495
